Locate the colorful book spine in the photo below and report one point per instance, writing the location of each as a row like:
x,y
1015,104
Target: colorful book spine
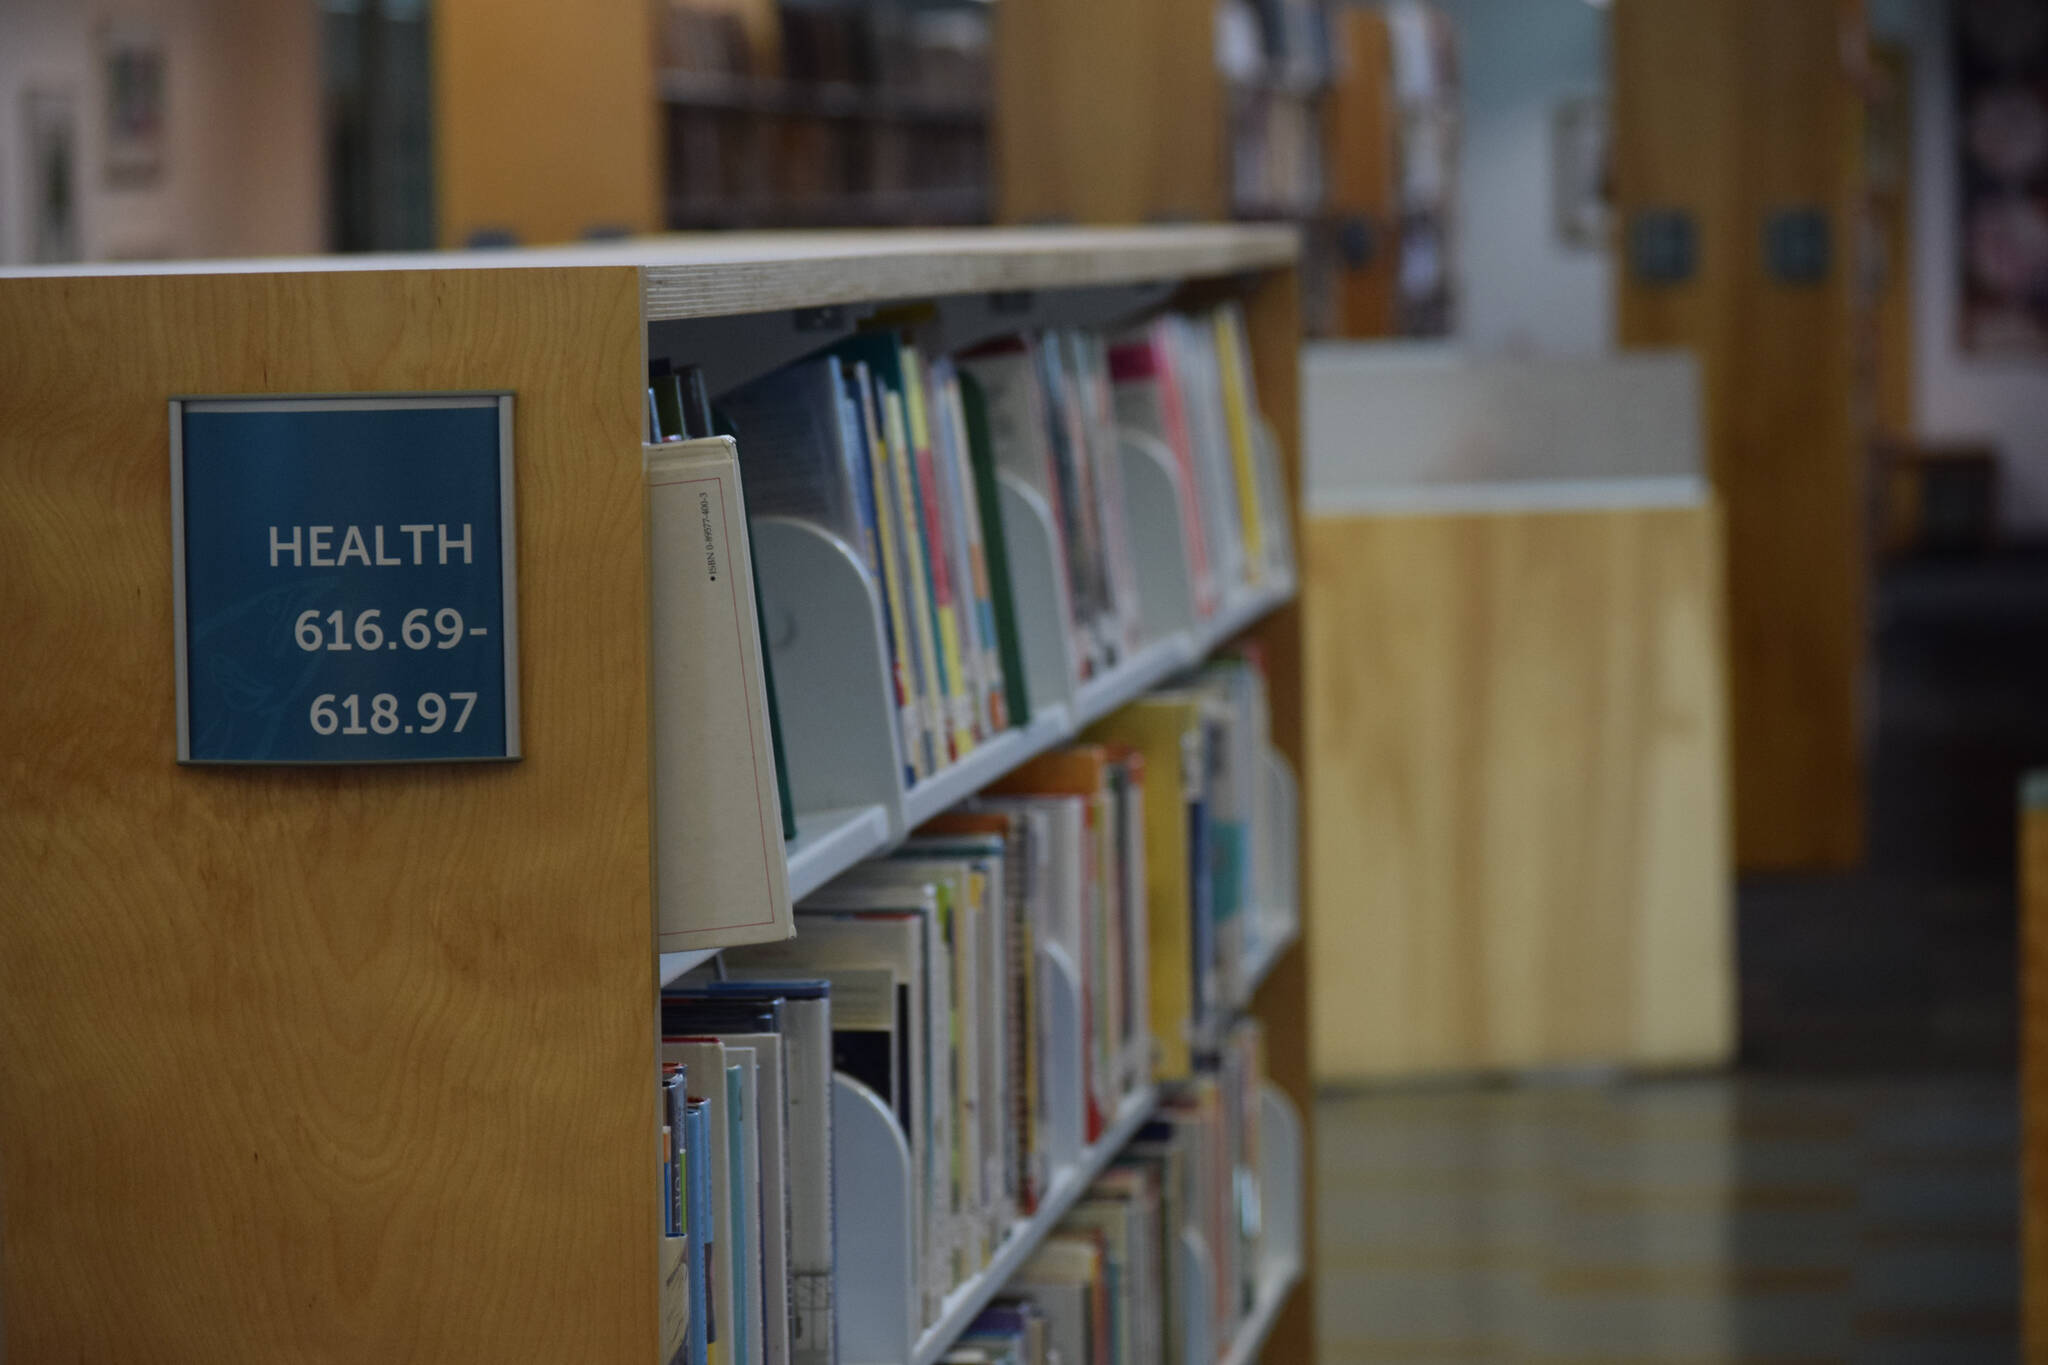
x,y
987,637
925,622
1237,411
901,645
945,598
697,1192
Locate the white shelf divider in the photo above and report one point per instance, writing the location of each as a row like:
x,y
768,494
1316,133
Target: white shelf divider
x,y
1275,913
1281,1193
1038,585
1155,507
834,691
1276,1282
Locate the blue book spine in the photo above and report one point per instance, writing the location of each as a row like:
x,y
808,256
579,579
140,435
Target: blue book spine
x,y
697,1183
742,1212
1201,887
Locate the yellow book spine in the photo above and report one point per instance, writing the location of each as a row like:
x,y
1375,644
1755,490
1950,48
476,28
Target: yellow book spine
x,y
1237,413
959,708
920,576
1156,728
911,725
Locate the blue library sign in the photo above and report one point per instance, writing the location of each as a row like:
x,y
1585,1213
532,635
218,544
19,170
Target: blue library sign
x,y
345,579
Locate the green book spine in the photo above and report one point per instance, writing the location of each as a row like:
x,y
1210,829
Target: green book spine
x,y
982,455
725,428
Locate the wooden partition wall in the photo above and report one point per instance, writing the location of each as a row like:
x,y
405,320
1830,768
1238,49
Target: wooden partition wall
x,y
1742,119
545,122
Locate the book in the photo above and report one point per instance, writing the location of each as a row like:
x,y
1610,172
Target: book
x,y
904,665
1240,416
749,1226
1064,1279
935,520
1149,397
800,1012
708,1086
697,1192
1167,731
995,541
715,772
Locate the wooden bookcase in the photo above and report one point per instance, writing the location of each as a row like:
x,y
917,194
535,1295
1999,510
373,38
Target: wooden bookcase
x,y
356,1064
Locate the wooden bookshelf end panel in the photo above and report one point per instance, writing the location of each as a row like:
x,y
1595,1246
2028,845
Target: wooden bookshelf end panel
x,y
320,1064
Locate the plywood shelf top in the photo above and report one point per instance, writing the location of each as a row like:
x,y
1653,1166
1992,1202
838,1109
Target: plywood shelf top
x,y
694,275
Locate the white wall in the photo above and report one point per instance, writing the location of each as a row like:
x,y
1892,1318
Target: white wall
x,y
243,163
1958,396
1519,287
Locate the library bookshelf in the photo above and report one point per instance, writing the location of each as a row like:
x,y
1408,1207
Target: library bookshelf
x,y
355,1063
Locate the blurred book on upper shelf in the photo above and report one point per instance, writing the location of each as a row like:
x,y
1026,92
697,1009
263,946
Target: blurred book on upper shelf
x,y
824,114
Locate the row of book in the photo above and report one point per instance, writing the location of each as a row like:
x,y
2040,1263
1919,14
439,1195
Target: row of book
x,y
1040,955
812,114
1115,1283
899,455
746,1178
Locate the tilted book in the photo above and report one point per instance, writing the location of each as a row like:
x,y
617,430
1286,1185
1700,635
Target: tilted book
x,y
720,873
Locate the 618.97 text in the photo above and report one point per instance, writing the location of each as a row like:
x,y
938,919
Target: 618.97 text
x,y
327,714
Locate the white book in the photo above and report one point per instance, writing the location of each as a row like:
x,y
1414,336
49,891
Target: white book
x,y
828,947
1194,354
742,1072
771,1111
887,887
720,872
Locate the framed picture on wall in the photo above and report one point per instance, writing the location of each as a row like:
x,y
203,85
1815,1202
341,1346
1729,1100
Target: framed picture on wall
x,y
1578,161
2001,56
49,121
132,65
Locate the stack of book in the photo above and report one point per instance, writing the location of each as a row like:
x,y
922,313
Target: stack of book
x,y
1015,978
1115,1283
877,445
1112,878
747,1173
1210,833
935,957
1185,381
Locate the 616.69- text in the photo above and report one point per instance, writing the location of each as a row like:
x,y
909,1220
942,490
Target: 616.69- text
x,y
416,630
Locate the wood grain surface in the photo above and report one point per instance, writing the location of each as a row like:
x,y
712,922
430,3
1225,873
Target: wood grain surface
x,y
1517,809
1108,111
1732,111
545,120
1273,331
1361,131
320,1065
698,275
2034,1070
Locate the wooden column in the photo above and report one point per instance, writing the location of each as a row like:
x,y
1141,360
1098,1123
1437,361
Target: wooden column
x,y
2034,1069
297,1063
1108,111
1736,114
545,122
